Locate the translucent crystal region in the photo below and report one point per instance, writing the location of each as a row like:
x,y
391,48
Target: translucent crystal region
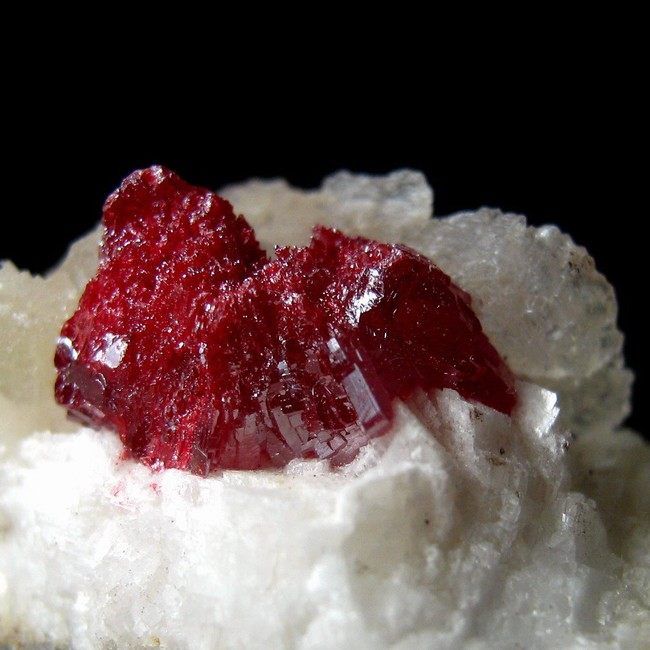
x,y
202,353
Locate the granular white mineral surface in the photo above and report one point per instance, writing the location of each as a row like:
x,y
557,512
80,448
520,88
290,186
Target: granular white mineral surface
x,y
460,528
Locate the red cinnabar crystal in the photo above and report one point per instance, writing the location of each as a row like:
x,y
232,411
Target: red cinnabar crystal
x,y
203,354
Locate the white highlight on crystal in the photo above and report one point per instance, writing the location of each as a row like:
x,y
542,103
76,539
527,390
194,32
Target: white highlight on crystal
x,y
371,294
112,352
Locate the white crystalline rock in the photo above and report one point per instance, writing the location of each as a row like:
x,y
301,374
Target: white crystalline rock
x,y
461,528
32,310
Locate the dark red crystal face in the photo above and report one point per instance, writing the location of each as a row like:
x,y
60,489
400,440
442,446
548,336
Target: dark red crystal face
x,y
203,354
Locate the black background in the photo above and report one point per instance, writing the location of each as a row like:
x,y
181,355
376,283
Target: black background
x,y
561,150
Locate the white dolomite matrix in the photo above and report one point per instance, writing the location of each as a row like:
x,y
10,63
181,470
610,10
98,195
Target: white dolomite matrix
x,y
460,528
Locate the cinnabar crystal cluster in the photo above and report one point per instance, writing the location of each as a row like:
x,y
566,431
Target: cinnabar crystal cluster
x,y
203,353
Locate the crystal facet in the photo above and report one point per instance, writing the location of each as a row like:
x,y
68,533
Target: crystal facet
x,y
202,353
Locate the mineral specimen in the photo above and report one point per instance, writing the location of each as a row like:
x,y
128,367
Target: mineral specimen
x,y
203,354
459,528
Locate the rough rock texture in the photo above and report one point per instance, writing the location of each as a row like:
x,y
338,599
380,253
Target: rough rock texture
x,y
490,533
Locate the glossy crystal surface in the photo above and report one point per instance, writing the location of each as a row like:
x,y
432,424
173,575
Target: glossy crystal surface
x,y
202,353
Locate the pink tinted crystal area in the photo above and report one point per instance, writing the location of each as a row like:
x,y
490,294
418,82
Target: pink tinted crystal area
x,y
204,354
